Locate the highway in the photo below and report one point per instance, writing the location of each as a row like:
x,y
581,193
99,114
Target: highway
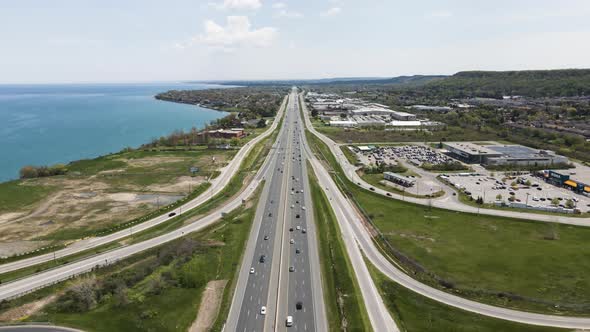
x,y
281,262
217,185
347,213
45,278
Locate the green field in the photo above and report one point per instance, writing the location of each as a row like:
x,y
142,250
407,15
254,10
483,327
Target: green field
x,y
162,286
519,264
15,195
416,313
344,303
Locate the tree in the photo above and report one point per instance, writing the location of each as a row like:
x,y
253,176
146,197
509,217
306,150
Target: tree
x,y
28,172
499,197
569,203
554,201
479,200
261,123
314,113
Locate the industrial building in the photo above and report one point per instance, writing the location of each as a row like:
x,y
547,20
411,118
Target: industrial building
x,y
399,179
497,155
403,116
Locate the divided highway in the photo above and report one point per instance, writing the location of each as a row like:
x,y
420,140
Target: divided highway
x,y
280,285
346,212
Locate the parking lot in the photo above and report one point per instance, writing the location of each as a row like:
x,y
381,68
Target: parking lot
x,y
414,154
525,189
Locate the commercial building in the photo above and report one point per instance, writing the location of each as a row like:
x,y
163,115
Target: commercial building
x,y
564,180
496,155
399,179
226,133
403,116
342,123
470,153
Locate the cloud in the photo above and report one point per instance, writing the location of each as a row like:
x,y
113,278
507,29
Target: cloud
x,y
331,12
279,5
440,14
288,14
236,33
237,4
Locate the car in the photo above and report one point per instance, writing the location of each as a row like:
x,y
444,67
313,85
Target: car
x,y
292,206
270,214
388,194
289,321
292,241
303,208
291,229
297,251
266,237
262,259
304,231
171,214
297,216
263,310
298,227
299,305
251,270
539,188
291,268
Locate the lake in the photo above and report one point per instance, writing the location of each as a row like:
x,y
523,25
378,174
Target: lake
x,y
59,123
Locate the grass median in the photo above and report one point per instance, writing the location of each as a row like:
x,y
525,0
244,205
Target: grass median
x,y
527,265
344,303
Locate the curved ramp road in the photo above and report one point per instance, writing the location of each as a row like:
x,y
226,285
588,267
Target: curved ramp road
x,y
52,276
366,244
217,186
447,202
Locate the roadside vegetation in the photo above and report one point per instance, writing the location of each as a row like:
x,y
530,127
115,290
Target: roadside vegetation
x,y
514,263
160,289
416,313
345,308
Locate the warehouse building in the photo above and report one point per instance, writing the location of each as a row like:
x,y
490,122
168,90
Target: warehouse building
x,y
497,155
403,116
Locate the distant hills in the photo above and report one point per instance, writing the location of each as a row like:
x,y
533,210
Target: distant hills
x,y
415,79
531,83
492,84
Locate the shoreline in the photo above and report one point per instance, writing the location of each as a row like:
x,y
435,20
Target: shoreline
x,y
16,177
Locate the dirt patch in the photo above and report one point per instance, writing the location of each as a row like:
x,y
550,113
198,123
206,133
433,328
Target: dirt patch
x,y
182,185
209,307
26,310
8,249
152,161
9,216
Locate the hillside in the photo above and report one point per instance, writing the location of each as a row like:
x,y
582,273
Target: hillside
x,y
531,83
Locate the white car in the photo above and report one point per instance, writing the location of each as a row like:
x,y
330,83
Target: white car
x,y
292,241
263,310
251,270
298,227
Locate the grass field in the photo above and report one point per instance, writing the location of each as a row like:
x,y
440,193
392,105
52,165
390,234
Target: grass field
x,y
519,264
216,255
17,194
416,313
344,303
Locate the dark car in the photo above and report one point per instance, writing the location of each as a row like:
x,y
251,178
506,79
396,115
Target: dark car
x,y
372,189
262,259
270,214
297,251
291,268
266,237
299,305
171,214
388,194
297,216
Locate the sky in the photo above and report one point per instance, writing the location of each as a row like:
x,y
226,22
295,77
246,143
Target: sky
x,y
61,41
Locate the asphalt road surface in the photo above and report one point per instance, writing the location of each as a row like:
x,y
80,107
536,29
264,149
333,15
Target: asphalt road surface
x,y
290,272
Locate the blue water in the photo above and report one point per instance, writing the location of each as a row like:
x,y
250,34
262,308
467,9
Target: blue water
x,y
48,124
